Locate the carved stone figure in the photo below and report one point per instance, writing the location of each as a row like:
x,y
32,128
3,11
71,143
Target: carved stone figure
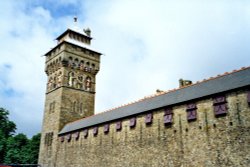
x,y
59,79
55,81
81,66
71,80
88,84
50,84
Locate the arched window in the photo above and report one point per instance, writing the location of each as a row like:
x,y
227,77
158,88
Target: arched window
x,y
87,64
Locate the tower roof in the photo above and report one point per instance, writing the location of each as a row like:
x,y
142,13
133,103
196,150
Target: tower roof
x,y
80,33
72,36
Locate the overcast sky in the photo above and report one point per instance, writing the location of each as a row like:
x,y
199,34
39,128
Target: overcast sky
x,y
147,45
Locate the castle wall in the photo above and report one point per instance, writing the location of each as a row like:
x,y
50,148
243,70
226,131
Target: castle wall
x,y
207,141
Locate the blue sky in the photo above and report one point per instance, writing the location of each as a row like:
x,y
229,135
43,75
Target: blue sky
x,y
147,45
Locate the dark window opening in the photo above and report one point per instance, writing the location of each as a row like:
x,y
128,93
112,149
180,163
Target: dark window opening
x,y
219,100
118,125
48,139
77,135
191,112
149,118
220,105
62,138
132,122
168,116
68,137
85,133
95,131
106,128
52,107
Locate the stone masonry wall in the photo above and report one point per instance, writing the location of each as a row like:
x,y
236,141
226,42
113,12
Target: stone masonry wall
x,y
84,105
60,113
50,125
207,141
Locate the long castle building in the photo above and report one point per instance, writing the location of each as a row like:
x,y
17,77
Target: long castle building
x,y
205,124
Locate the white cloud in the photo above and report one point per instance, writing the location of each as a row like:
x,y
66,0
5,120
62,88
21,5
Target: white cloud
x,y
24,40
148,45
151,44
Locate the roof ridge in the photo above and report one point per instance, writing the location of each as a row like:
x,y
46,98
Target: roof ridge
x,y
165,92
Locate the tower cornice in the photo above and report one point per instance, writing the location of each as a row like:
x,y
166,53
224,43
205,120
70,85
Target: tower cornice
x,y
75,43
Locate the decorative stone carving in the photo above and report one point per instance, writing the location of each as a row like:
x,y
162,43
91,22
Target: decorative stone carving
x,y
55,81
59,79
71,80
81,66
79,81
88,84
50,84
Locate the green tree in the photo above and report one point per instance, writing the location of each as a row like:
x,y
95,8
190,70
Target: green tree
x,y
15,149
7,129
31,150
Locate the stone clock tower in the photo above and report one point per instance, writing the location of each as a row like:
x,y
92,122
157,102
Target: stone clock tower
x,y
71,67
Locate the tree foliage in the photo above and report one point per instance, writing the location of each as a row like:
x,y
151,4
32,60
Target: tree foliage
x,y
31,150
16,149
7,129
